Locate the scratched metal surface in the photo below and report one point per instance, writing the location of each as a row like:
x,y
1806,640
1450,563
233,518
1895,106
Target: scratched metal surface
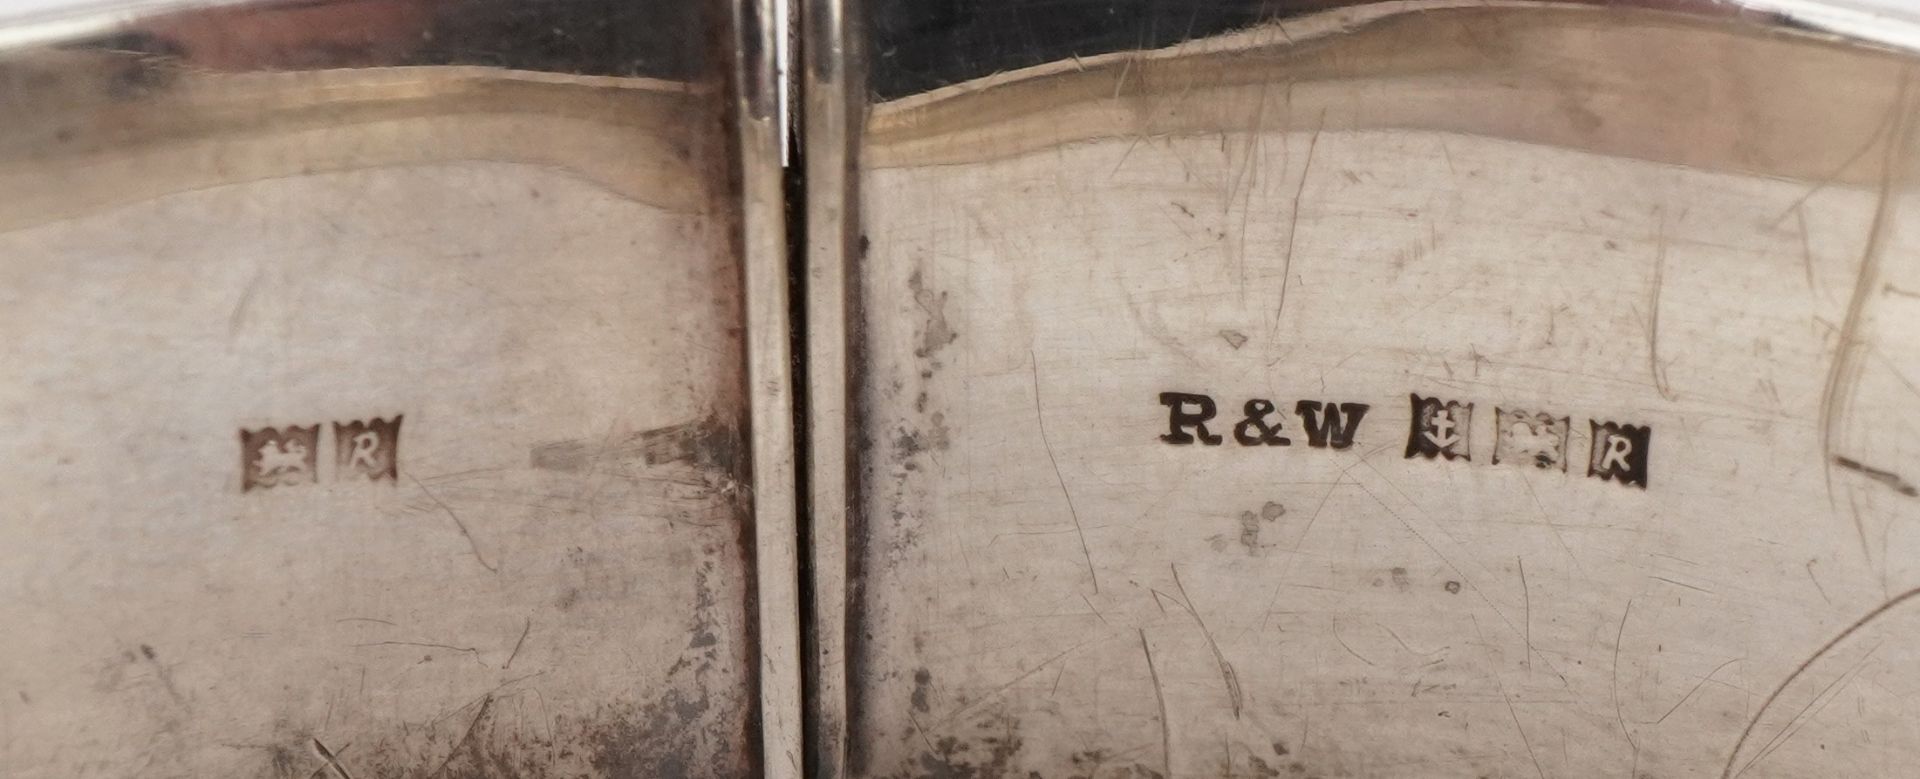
x,y
1664,253
497,236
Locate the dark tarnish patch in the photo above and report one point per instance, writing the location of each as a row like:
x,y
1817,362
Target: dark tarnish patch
x,y
912,439
938,333
659,740
989,745
922,687
988,752
564,456
934,437
1261,768
285,763
1249,766
662,738
707,443
690,728
1101,764
991,749
1251,523
987,757
1250,531
670,737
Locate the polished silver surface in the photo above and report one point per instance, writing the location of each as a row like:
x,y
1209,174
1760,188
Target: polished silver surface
x,y
1556,363
394,388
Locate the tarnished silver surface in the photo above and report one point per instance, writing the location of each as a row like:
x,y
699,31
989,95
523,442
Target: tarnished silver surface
x,y
1617,306
374,378
1321,389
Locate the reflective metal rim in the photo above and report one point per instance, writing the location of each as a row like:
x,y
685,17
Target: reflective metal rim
x,y
760,133
832,104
